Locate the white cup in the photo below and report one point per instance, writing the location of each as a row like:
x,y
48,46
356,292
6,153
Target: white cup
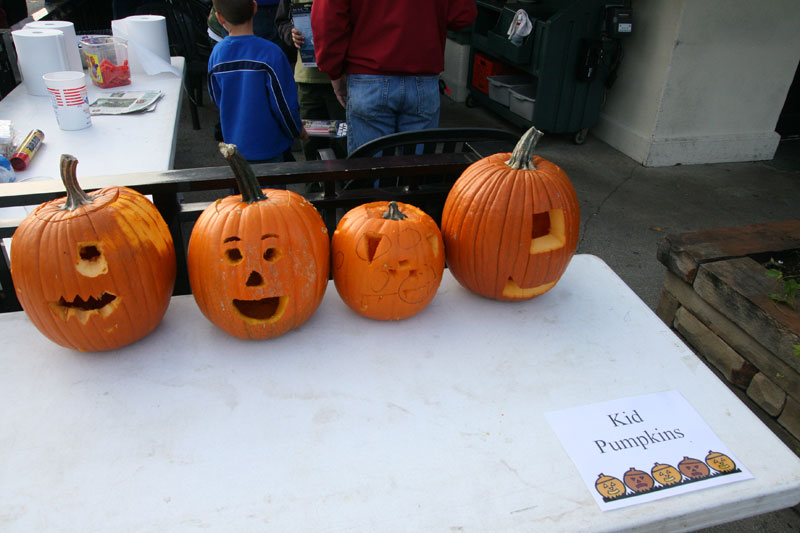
x,y
70,100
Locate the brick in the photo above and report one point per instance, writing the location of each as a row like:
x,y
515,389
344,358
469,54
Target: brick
x,y
733,366
766,394
790,417
667,306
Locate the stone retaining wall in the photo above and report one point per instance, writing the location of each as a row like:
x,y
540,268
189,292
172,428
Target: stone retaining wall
x,y
716,298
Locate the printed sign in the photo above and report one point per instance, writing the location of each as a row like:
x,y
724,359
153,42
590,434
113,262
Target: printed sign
x,y
644,448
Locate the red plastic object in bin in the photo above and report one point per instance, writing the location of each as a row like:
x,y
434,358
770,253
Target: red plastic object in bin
x,y
482,68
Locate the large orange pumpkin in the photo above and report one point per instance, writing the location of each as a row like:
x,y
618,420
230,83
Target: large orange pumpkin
x,y
93,271
510,224
258,262
388,259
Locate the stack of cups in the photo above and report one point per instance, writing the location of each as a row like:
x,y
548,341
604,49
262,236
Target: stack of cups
x,y
69,98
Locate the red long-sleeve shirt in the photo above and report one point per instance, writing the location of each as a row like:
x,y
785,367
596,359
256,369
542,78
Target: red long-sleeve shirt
x,y
389,37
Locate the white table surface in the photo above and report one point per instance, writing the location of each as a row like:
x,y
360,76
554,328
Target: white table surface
x,y
113,144
435,423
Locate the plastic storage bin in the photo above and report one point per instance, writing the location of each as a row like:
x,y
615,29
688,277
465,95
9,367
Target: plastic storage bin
x,y
482,68
500,85
522,100
107,60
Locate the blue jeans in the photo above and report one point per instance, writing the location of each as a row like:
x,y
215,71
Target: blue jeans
x,y
380,105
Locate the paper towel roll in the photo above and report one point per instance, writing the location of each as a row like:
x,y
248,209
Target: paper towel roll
x,y
39,52
148,44
70,39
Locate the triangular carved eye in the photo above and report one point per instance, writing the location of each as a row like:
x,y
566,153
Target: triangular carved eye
x,y
371,245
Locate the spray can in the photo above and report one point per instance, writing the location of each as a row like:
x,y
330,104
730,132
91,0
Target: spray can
x,y
27,150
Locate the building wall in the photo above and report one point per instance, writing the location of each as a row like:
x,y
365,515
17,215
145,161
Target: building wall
x,y
702,81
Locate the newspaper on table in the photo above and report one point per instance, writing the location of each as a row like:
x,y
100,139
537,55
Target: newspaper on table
x,y
122,102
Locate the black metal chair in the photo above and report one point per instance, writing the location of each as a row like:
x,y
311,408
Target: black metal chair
x,y
480,141
186,31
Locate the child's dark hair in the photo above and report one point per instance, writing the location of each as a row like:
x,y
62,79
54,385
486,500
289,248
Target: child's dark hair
x,y
235,11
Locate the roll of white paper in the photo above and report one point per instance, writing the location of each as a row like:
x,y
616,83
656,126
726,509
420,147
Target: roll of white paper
x,y
39,52
70,39
148,44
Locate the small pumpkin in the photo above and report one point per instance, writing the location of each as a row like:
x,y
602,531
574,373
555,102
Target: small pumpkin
x,y
93,271
510,224
388,259
258,262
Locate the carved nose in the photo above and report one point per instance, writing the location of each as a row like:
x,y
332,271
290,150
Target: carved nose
x,y
254,280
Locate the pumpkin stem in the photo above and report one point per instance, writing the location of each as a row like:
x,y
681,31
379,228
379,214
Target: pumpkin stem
x,y
76,197
522,156
243,172
393,212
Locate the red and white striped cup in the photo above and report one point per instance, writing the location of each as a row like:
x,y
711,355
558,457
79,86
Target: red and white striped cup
x,y
69,98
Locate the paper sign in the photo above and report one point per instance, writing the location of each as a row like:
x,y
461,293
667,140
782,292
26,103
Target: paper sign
x,y
644,448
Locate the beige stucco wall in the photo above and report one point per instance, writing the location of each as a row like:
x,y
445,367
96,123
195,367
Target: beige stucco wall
x,y
703,81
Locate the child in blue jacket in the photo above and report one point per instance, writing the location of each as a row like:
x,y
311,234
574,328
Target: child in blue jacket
x,y
251,82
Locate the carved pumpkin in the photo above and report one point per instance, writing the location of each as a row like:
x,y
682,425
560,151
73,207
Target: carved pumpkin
x,y
388,260
609,487
93,271
510,224
638,480
258,262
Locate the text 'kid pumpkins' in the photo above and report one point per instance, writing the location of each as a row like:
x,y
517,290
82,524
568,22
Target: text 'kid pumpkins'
x,y
388,260
510,224
93,271
258,262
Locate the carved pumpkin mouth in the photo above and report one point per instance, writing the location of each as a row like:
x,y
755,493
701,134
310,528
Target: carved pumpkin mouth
x,y
265,310
82,309
613,492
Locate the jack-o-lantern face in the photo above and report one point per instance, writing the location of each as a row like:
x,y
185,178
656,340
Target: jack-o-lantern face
x,y
720,462
258,263
693,468
665,474
510,224
609,487
637,480
388,260
94,272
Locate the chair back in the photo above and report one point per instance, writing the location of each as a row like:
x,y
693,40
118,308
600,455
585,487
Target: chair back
x,y
433,141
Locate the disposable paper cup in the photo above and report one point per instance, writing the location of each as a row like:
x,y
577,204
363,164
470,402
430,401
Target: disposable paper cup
x,y
69,98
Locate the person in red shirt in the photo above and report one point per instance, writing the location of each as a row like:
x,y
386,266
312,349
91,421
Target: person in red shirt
x,y
384,58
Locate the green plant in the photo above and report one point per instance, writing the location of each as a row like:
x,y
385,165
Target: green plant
x,y
788,288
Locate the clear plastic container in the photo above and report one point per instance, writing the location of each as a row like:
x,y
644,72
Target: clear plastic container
x,y
107,60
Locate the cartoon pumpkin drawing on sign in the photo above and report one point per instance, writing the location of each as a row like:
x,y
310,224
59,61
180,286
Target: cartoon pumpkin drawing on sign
x,y
693,468
388,260
719,461
609,487
637,480
666,474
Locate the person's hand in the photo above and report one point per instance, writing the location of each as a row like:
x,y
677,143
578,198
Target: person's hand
x,y
297,38
303,134
340,90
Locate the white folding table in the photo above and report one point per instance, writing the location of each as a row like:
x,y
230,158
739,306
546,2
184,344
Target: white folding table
x,y
434,423
113,144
